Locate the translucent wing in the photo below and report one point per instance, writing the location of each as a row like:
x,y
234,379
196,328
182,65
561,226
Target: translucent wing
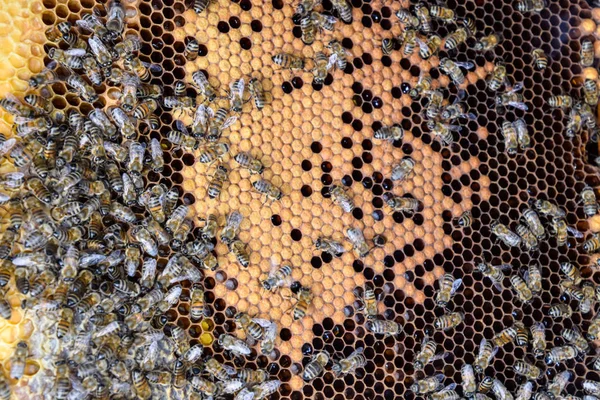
x,y
456,128
75,52
332,60
181,127
7,146
465,64
229,369
201,115
245,394
455,285
241,87
451,386
504,267
356,352
516,87
330,19
422,43
228,122
90,23
173,294
234,220
574,232
519,105
265,323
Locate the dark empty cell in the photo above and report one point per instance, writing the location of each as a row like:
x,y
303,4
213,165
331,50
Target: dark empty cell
x,y
256,25
418,219
326,166
386,61
297,82
415,70
377,190
367,95
367,108
405,63
287,87
223,27
388,261
297,32
357,213
398,217
306,191
316,147
357,87
366,21
245,43
405,88
376,16
357,62
386,24
296,235
377,102
357,175
378,177
328,79
246,5
357,125
347,180
276,220
317,86
326,179
367,157
397,92
358,265
234,22
347,117
316,262
306,165
285,334
357,162
367,58
377,202
387,184
386,12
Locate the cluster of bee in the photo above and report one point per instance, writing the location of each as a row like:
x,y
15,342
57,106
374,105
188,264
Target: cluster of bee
x,y
85,233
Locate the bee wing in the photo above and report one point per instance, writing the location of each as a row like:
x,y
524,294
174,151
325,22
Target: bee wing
x,y
465,64
241,87
356,352
155,148
332,60
229,369
245,394
88,26
329,18
455,285
13,98
270,332
516,87
518,104
181,127
229,121
201,115
421,42
75,52
576,234
439,356
173,294
456,128
265,323
504,267
440,377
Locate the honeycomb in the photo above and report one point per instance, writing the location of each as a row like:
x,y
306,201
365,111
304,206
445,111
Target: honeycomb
x,y
310,137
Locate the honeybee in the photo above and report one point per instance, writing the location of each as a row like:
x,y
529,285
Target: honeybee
x,y
447,393
200,5
572,272
389,133
306,6
236,94
408,41
575,338
322,66
590,203
62,383
427,353
504,234
253,327
403,169
219,124
342,56
83,89
561,101
46,77
447,287
140,383
247,161
456,110
182,140
487,351
179,103
574,123
443,13
238,249
342,198
452,69
176,218
423,85
587,53
322,21
443,132
349,364
265,187
434,107
277,279
131,44
560,310
191,49
100,52
218,370
464,220
494,273
559,354
17,361
427,385
512,98
330,246
500,391
267,344
288,61
234,345
316,366
258,94
505,336
590,92
231,228
72,58
529,371
455,39
524,293
469,384
540,60
358,241
213,152
201,82
429,47
64,323
407,18
525,391
383,327
531,218
308,30
591,387
592,244
488,43
343,9
449,320
402,204
123,122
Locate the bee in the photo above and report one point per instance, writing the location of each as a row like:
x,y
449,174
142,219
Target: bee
x,y
448,321
524,293
72,58
342,56
17,361
213,152
500,391
422,13
316,366
92,70
522,134
452,69
469,384
256,91
288,61
182,140
191,49
238,249
423,85
64,323
231,228
456,110
178,102
540,60
587,53
176,218
507,236
144,72
488,43
446,393
83,89
575,338
464,220
592,244
267,344
264,390
358,241
384,327
100,52
485,385
591,387
560,311
306,6
494,273
322,66
342,198
487,351
455,39
427,353
14,107
531,218
253,327
277,279
46,77
247,161
403,169
236,94
529,371
219,124
427,385
322,21
215,185
62,383
443,13
387,46
123,122
561,101
115,18
559,354
434,107
443,132
349,364
525,391
429,47
265,187
201,82
590,92
512,98
218,370
130,45
574,123
590,203
330,246
140,384
530,6
407,18
343,9
308,30
447,287
234,345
